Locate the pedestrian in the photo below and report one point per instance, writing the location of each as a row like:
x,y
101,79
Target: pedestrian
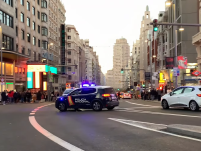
x,y
38,97
159,94
28,96
10,96
52,96
152,94
3,97
19,97
33,97
15,96
22,97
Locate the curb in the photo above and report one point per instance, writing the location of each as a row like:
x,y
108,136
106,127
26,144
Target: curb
x,y
187,130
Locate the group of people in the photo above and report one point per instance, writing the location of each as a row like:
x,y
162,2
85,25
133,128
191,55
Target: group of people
x,y
151,94
25,96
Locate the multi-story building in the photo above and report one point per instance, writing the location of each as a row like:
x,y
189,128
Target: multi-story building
x,y
135,70
121,56
103,79
72,46
14,51
145,27
110,78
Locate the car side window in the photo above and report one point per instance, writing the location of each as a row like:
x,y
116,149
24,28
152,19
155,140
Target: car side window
x,y
88,90
178,91
76,92
188,90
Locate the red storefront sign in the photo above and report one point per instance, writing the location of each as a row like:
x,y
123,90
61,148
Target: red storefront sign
x,y
196,73
182,62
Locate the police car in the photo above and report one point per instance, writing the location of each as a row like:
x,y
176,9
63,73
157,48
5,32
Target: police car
x,y
95,98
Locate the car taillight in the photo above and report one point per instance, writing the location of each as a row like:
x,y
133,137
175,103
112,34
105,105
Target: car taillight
x,y
199,95
106,95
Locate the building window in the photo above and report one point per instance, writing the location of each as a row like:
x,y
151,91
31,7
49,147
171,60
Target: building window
x,y
44,4
38,29
44,31
16,47
28,22
28,38
9,2
6,19
69,60
39,58
22,17
69,45
16,13
69,77
34,54
22,34
23,50
34,25
33,11
69,52
38,43
69,37
34,41
69,68
138,48
7,42
22,2
28,6
69,30
38,15
16,70
16,30
9,69
45,44
38,2
29,52
43,17
23,70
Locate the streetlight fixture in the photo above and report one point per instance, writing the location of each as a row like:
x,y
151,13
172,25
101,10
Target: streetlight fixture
x,y
181,29
168,3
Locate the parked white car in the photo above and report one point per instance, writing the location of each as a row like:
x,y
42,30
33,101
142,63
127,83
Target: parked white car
x,y
187,97
126,96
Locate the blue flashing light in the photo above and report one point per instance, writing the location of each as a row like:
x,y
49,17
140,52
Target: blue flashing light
x,y
61,99
93,85
85,85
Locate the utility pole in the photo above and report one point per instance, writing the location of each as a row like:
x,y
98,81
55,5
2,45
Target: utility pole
x,y
150,38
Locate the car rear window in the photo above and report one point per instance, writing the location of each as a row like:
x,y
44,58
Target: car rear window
x,y
68,91
109,91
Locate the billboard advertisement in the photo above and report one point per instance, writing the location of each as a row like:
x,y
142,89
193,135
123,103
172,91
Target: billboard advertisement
x,y
169,62
182,62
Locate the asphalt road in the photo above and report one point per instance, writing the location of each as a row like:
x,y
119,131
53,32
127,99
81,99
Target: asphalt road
x,y
94,131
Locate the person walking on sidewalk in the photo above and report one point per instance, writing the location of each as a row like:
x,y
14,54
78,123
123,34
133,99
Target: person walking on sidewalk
x,y
28,96
38,97
15,96
3,97
22,97
152,94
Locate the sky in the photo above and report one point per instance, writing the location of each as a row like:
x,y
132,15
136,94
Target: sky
x,y
104,21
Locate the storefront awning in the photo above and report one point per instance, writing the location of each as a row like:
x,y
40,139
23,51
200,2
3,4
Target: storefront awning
x,y
14,55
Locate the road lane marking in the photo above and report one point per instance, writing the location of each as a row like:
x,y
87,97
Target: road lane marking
x,y
49,135
141,104
159,113
154,130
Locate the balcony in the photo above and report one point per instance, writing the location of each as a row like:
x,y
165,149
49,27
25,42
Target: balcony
x,y
196,39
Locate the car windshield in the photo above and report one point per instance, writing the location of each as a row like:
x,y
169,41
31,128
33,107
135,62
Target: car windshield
x,y
68,91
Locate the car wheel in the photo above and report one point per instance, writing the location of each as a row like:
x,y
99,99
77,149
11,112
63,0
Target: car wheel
x,y
97,106
110,108
62,107
193,106
165,104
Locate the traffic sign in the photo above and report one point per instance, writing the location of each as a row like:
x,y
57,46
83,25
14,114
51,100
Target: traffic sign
x,y
2,80
176,72
2,83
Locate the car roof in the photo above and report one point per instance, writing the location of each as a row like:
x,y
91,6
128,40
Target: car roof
x,y
101,87
196,86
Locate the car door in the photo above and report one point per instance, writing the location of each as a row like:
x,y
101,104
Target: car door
x,y
73,97
186,96
174,98
86,97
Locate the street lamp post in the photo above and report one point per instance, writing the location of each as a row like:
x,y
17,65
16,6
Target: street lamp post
x,y
49,73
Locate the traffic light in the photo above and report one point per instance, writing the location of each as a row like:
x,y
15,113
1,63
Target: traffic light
x,y
122,70
155,25
118,89
143,85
